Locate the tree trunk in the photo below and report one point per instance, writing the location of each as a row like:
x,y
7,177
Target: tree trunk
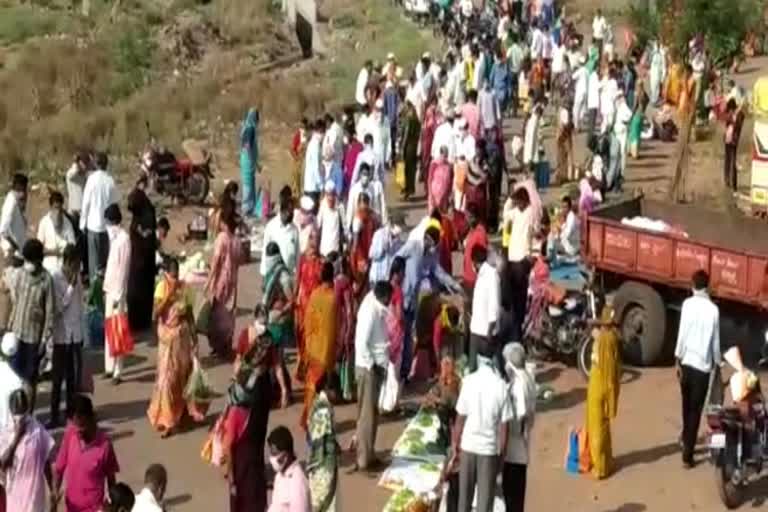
x,y
682,155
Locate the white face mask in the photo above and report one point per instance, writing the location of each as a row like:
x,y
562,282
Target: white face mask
x,y
274,461
29,267
259,327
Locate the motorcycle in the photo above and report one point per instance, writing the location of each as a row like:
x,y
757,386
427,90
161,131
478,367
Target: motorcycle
x,y
566,330
180,178
738,444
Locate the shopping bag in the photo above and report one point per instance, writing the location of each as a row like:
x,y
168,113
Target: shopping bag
x,y
95,327
203,317
118,335
198,388
390,391
585,457
347,377
400,174
572,452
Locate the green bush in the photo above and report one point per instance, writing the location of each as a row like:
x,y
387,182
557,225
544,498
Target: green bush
x,y
21,22
132,52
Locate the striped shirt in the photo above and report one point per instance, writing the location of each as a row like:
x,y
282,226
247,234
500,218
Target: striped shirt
x,y
34,307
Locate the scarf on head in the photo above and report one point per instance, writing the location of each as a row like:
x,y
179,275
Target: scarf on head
x,y
248,123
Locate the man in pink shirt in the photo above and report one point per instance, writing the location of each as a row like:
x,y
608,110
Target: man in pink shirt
x,y
471,113
86,461
290,492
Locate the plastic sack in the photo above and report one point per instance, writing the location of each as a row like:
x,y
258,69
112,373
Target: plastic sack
x,y
198,388
94,319
585,457
390,391
118,335
742,383
203,317
400,175
572,451
95,297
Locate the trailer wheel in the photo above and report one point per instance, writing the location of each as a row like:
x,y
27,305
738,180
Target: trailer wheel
x,y
642,321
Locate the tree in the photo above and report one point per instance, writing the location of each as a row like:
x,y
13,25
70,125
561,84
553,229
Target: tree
x,y
723,25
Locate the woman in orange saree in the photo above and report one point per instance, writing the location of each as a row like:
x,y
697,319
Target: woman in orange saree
x,y
176,345
307,279
320,322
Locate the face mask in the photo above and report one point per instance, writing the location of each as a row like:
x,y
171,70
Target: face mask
x,y
365,180
274,461
259,327
29,267
396,231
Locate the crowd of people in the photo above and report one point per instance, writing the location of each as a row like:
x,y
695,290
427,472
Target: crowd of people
x,y
369,308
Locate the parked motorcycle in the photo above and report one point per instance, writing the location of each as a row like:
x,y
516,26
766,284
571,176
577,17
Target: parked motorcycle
x,y
179,178
566,330
738,443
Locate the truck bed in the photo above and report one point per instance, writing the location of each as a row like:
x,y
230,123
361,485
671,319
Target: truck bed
x,y
733,251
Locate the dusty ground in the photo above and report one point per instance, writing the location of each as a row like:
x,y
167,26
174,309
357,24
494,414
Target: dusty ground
x,y
649,474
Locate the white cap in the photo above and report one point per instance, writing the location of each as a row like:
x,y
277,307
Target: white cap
x,y
390,56
379,104
306,203
10,344
426,55
330,187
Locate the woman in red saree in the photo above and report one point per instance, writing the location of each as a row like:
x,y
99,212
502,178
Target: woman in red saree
x,y
395,318
364,226
320,334
307,279
439,182
428,127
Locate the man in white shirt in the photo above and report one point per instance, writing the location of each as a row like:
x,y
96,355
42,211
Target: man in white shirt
x,y
76,177
368,156
13,221
531,138
593,100
55,231
580,81
622,115
285,234
371,186
150,498
333,151
599,25
445,136
115,284
330,222
537,42
100,192
486,301
371,358
569,237
697,354
67,333
520,249
522,393
484,411
488,108
314,172
466,145
10,380
362,84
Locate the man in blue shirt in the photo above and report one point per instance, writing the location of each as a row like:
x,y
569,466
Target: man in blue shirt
x,y
421,263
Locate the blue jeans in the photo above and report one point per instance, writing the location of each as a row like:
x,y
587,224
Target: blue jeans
x,y
409,317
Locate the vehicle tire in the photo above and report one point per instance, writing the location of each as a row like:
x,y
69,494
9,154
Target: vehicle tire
x,y
731,494
642,323
198,185
584,356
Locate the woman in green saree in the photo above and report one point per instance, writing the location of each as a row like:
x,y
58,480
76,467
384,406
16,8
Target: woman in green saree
x,y
323,463
278,302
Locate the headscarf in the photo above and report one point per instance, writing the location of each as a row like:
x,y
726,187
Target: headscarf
x,y
249,127
535,200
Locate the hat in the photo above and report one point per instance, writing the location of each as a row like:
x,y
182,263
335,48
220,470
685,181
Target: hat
x,y
390,56
330,187
426,55
10,345
306,203
379,104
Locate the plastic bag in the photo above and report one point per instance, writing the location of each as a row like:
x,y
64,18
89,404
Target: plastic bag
x,y
390,391
347,377
95,327
572,451
118,334
400,175
198,387
95,297
203,317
